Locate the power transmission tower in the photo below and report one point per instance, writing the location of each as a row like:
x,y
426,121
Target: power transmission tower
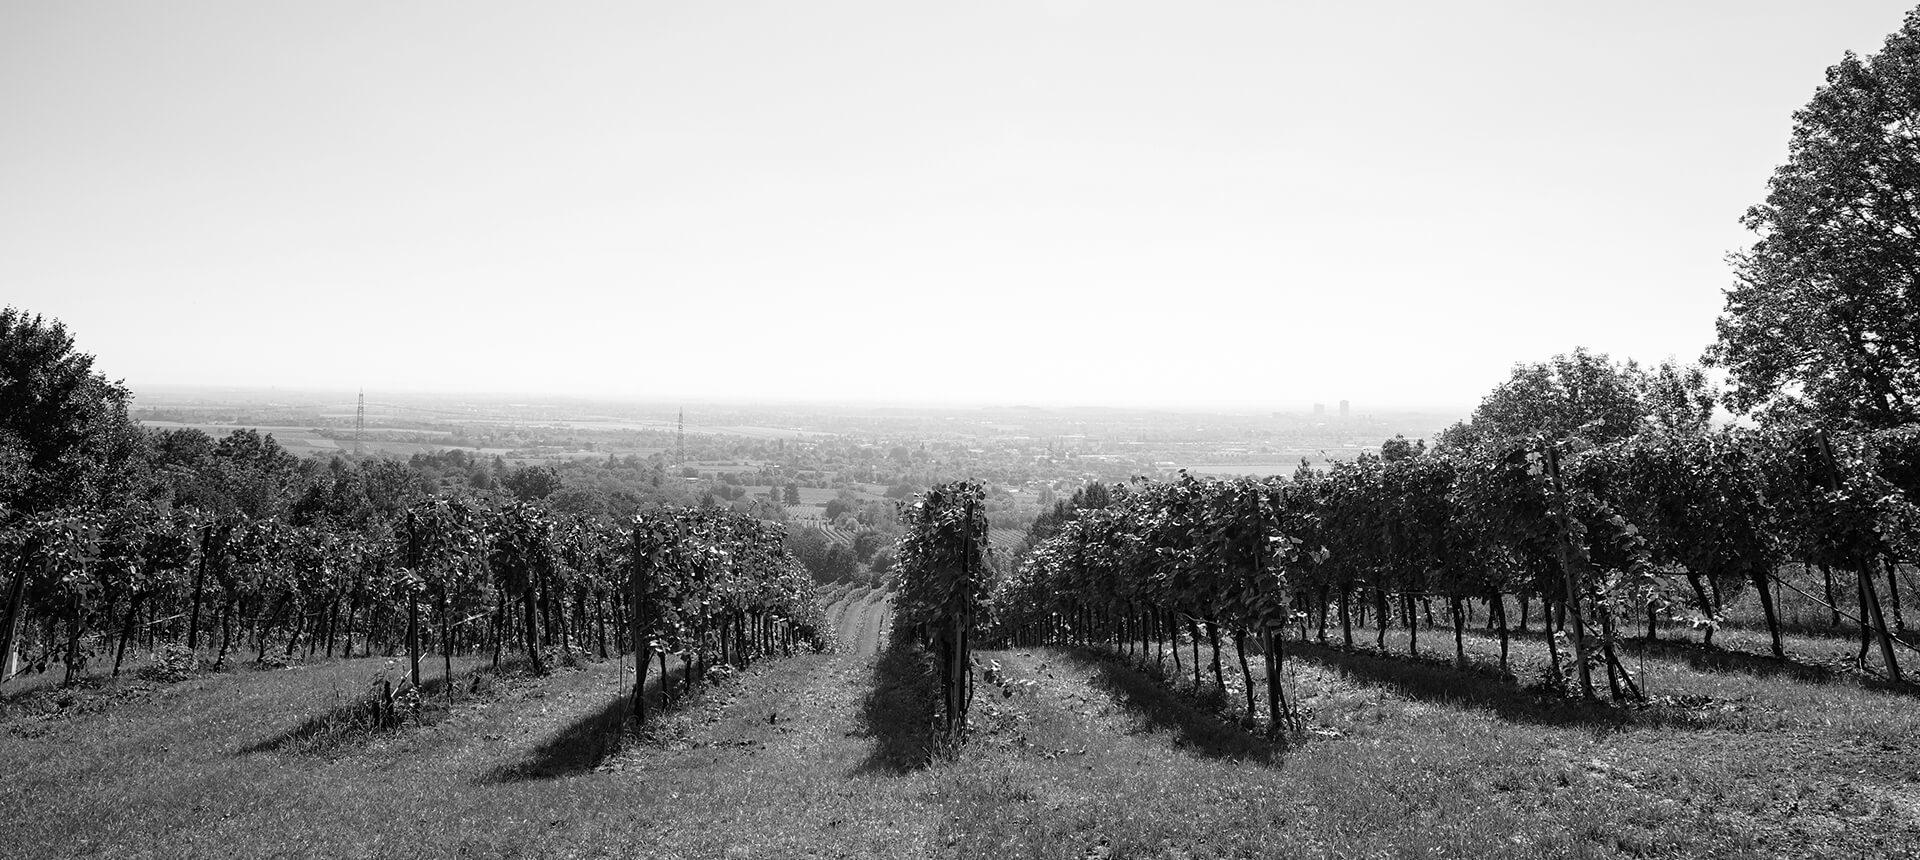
x,y
359,421
682,436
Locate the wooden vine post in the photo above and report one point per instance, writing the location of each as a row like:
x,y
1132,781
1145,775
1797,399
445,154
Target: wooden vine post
x,y
638,571
1863,564
200,585
15,620
958,673
413,599
1570,566
1273,629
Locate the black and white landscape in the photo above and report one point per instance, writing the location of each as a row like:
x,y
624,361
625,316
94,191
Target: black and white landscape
x,y
1055,429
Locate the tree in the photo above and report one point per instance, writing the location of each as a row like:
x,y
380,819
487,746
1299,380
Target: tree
x,y
1398,448
1679,400
60,426
1580,393
532,483
839,564
258,473
1824,314
56,414
882,563
810,546
866,542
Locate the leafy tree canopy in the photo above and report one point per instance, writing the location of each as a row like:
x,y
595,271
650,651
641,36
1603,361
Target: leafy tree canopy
x,y
1824,314
59,420
1585,394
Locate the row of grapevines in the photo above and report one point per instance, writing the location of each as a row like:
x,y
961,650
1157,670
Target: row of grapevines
x,y
1210,556
449,574
944,576
1598,535
712,581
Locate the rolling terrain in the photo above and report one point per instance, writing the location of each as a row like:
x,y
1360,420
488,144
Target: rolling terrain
x,y
1073,754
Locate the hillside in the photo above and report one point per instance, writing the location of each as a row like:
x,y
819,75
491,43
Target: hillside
x,y
1074,755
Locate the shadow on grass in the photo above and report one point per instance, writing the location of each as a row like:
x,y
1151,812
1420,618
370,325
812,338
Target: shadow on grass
x,y
58,702
1718,658
577,749
1152,695
1433,679
1908,686
51,681
898,714
363,717
46,683
1715,659
1723,659
593,738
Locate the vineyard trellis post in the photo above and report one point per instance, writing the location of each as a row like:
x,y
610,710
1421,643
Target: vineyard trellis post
x,y
637,573
16,616
1863,562
413,599
958,676
1570,566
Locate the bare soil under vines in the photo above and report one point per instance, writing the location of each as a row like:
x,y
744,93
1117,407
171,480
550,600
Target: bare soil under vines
x,y
1077,754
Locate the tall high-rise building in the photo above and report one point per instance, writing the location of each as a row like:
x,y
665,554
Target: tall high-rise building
x,y
1344,409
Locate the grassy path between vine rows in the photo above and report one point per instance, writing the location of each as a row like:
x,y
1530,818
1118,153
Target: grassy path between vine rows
x,y
1076,756
192,771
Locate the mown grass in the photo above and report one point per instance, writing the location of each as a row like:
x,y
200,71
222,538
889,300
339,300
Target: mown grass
x,y
1077,755
1414,758
898,712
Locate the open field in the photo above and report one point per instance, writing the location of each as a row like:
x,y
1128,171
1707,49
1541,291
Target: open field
x,y
311,441
305,441
816,496
828,755
744,431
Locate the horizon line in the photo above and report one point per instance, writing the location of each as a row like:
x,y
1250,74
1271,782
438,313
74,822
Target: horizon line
x,y
1278,405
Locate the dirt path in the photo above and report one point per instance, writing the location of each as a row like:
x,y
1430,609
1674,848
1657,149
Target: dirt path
x,y
843,610
869,623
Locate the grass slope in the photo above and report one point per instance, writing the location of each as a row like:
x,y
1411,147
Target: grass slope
x,y
1078,755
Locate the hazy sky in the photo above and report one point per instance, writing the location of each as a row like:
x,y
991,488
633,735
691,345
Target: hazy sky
x,y
1184,203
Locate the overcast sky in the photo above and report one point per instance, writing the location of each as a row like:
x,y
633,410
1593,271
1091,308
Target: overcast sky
x,y
1192,204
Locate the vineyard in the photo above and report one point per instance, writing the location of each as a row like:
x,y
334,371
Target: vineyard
x,y
1578,637
1084,712
1637,533
1617,610
449,577
1006,539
